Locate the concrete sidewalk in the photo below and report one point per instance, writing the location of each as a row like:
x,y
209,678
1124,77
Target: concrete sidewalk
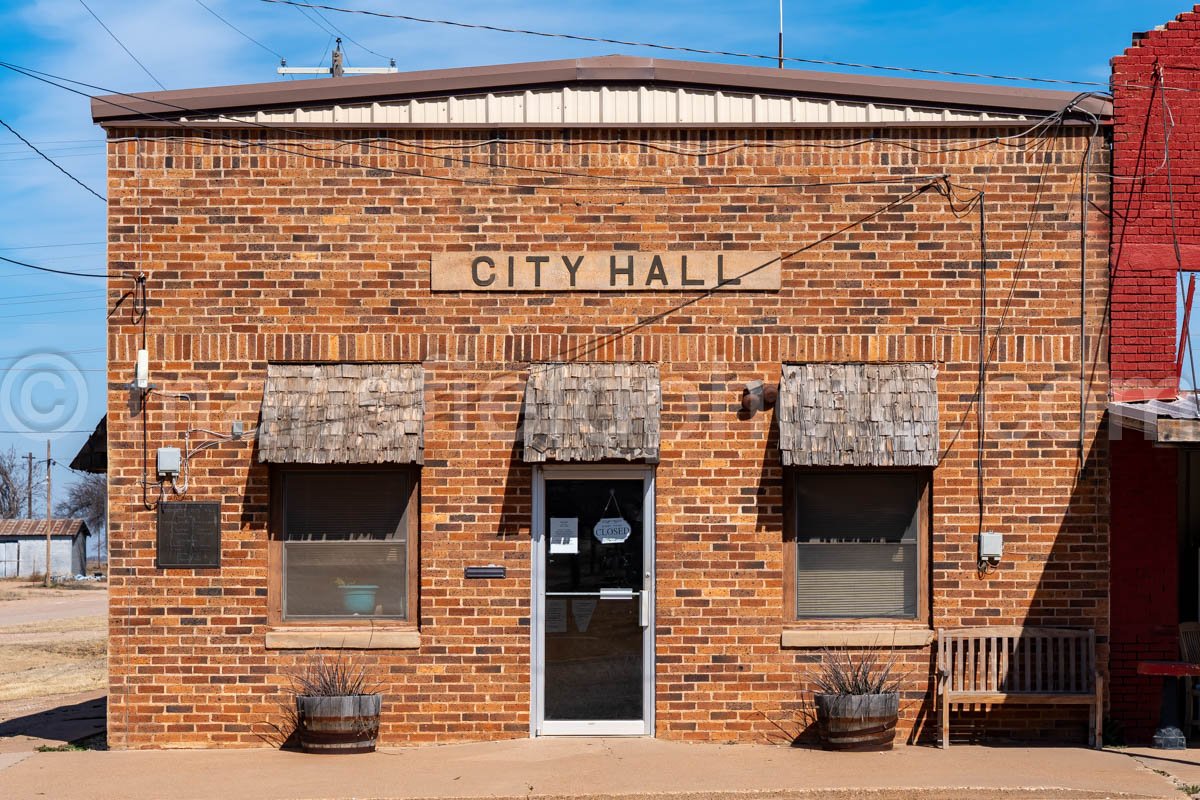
x,y
595,768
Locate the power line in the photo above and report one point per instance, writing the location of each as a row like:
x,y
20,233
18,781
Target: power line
x,y
123,47
35,158
41,371
234,142
62,297
60,141
325,28
87,257
13,149
56,271
52,162
62,353
682,49
602,341
351,39
245,35
60,312
44,246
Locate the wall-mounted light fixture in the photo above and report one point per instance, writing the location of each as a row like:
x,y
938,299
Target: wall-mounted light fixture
x,y
758,395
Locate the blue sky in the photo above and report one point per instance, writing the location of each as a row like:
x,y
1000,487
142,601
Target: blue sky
x,y
48,220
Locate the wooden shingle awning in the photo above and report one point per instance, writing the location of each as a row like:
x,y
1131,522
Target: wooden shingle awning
x,y
858,415
348,413
592,412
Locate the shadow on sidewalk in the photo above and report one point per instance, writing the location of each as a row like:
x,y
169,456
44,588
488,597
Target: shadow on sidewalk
x,y
63,724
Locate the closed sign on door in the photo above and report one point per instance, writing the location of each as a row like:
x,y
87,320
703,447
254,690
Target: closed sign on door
x,y
612,530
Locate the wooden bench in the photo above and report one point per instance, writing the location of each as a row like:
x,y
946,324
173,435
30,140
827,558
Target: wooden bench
x,y
994,665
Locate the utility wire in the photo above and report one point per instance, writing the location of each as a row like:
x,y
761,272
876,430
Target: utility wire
x,y
52,162
577,353
123,47
56,271
324,28
61,298
681,49
235,142
45,246
72,311
1168,129
244,35
57,353
351,39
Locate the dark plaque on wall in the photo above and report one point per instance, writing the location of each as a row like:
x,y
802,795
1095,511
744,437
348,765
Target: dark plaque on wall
x,y
189,535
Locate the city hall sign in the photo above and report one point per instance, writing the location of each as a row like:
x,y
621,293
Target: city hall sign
x,y
675,271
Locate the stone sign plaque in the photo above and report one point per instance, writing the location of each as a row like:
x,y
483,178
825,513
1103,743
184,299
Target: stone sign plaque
x,y
595,271
189,535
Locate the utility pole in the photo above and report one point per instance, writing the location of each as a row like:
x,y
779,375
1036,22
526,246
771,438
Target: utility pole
x,y
337,67
29,487
49,487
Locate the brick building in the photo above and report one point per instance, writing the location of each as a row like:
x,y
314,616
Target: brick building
x,y
474,373
1155,471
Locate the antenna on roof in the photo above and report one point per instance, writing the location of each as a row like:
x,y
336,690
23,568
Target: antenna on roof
x,y
781,34
337,67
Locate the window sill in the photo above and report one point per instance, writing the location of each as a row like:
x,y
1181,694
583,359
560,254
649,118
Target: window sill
x,y
863,636
342,638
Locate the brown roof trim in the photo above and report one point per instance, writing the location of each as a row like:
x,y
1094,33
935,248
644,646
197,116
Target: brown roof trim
x,y
603,69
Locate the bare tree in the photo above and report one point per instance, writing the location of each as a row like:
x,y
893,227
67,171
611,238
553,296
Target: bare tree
x,y
86,499
15,484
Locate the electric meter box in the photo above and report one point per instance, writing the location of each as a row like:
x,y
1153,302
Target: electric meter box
x,y
991,545
168,462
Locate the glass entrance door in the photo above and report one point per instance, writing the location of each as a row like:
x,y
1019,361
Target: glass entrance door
x,y
593,601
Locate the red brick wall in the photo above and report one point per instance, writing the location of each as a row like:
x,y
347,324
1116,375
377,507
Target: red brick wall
x,y
1144,342
1144,281
1145,588
255,256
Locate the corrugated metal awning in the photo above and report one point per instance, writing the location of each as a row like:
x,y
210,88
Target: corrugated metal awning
x,y
1166,421
343,414
858,415
59,528
592,412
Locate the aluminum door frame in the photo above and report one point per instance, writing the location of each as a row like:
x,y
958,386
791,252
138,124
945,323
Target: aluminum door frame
x,y
537,722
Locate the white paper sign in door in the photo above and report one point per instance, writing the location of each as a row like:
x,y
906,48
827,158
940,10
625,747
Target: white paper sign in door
x,y
612,530
564,535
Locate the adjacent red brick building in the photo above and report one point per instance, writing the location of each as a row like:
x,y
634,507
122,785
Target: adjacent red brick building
x,y
456,362
1155,203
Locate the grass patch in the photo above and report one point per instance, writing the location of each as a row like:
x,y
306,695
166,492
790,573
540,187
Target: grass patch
x,y
59,748
98,741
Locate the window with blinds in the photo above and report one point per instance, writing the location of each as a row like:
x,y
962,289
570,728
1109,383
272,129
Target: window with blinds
x,y
345,544
857,538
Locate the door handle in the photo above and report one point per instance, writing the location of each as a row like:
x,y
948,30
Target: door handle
x,y
644,608
616,594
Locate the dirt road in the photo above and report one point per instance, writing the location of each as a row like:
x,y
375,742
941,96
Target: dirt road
x,y
32,606
52,644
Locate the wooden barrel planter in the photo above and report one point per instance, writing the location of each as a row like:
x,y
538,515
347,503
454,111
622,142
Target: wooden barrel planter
x,y
348,724
857,721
